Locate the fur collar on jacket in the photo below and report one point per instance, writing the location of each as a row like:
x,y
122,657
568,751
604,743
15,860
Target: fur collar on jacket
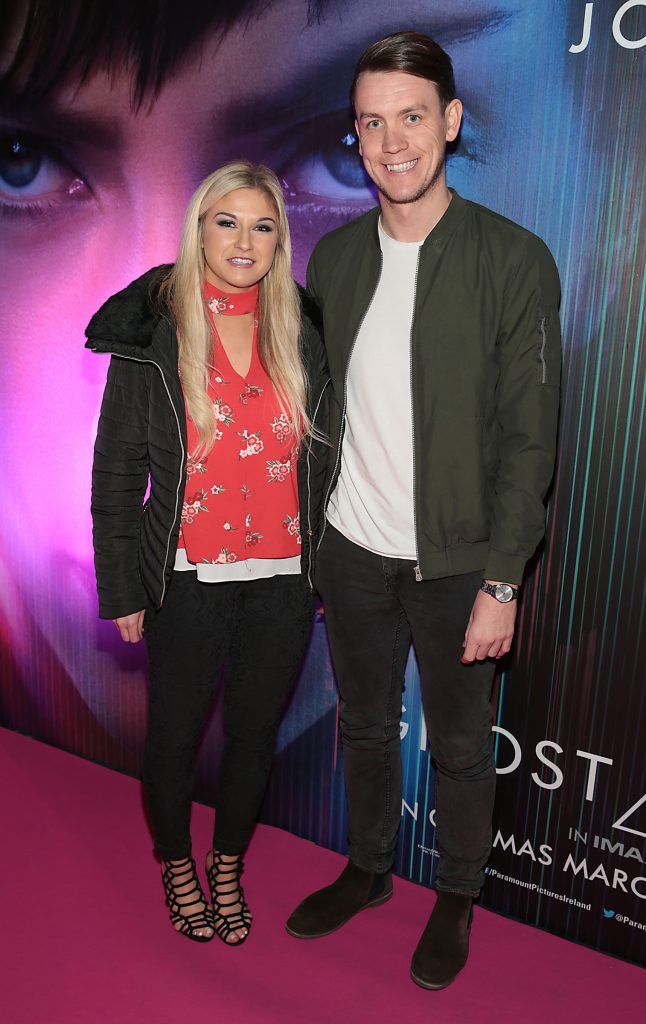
x,y
130,316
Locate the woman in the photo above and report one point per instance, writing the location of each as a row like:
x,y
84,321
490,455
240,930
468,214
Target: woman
x,y
215,396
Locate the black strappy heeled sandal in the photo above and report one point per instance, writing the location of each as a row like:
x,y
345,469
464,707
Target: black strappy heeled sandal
x,y
226,891
183,894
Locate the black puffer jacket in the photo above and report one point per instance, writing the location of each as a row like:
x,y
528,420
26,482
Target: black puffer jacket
x,y
142,436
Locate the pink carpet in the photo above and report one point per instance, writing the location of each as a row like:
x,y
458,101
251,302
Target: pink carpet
x,y
86,941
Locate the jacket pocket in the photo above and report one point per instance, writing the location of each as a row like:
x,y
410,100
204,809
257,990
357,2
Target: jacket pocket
x,y
542,327
549,354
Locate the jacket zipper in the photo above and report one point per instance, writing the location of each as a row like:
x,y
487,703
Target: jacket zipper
x,y
417,570
542,327
345,402
133,359
310,533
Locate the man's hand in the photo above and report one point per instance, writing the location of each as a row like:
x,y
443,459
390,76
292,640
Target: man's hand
x,y
131,627
490,629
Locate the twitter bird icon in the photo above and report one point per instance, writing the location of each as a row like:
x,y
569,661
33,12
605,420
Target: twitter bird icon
x,y
608,913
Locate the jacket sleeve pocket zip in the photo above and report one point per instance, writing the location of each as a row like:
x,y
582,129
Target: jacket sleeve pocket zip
x,y
542,326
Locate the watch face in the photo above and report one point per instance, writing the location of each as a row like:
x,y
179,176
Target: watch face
x,y
504,592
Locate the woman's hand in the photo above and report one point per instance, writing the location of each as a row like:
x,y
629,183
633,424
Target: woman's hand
x,y
131,626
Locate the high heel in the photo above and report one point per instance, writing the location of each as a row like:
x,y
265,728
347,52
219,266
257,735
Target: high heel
x,y
179,897
222,888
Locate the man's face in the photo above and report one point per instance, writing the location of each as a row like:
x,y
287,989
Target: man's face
x,y
403,132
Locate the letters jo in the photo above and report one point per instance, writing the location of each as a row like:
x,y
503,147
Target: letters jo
x,y
617,31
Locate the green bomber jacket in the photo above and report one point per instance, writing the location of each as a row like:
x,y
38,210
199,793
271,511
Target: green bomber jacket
x,y
485,375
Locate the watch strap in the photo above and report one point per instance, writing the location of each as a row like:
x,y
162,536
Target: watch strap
x,y
499,591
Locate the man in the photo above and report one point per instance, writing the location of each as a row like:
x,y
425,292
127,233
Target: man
x,y
442,331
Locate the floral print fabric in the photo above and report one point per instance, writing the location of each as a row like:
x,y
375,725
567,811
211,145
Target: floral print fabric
x,y
241,499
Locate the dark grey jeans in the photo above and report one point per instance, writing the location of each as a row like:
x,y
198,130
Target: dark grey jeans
x,y
374,608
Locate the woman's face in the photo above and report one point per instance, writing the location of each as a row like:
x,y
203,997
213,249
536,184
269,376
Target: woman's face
x,y
239,238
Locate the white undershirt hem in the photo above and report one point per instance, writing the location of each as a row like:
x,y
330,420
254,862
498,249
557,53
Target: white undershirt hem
x,y
360,542
246,569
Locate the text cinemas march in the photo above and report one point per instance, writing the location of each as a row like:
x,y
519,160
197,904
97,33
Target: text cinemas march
x,y
616,878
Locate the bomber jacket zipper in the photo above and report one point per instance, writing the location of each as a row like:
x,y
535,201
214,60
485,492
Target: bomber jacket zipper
x,y
345,403
417,570
310,532
181,444
542,327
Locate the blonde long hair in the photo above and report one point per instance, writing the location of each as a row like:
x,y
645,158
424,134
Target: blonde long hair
x,y
279,323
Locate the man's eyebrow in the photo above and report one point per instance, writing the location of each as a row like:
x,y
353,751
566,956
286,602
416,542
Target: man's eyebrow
x,y
54,122
289,102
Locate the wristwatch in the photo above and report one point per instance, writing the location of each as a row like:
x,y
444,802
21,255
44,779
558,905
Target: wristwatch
x,y
502,592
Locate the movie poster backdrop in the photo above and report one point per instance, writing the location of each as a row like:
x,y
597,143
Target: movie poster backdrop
x,y
95,173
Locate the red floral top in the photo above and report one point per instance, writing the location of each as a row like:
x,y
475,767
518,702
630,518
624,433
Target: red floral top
x,y
241,499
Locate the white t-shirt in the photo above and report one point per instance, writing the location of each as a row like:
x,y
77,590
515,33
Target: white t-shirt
x,y
372,503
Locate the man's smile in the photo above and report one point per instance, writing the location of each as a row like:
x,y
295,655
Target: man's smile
x,y
401,168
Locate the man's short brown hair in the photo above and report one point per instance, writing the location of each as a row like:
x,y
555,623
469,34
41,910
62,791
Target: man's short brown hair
x,y
411,52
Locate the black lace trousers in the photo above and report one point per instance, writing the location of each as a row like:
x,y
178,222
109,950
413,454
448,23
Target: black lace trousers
x,y
257,630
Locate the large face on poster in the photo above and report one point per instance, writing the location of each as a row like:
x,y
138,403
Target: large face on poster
x,y
93,189
94,181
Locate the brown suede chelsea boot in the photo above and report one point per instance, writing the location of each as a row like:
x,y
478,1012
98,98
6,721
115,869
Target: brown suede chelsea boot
x,y
443,948
326,910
